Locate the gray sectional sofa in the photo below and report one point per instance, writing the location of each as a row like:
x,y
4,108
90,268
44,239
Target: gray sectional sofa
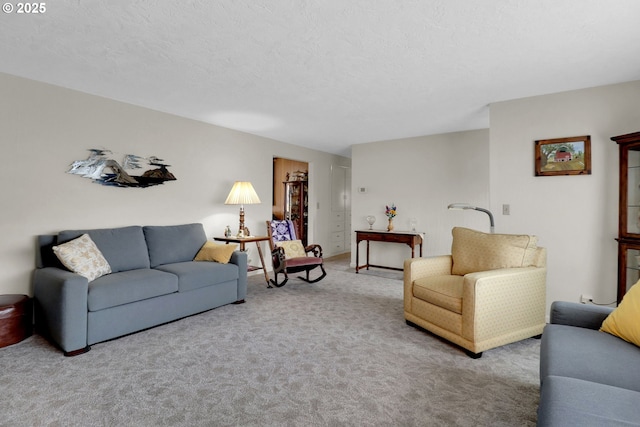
x,y
154,280
588,377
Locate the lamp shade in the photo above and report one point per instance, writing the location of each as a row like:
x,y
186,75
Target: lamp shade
x,y
242,193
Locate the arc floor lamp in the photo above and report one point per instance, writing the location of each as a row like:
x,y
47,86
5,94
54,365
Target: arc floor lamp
x,y
466,206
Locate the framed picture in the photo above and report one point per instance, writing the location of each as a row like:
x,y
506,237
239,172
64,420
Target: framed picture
x,y
563,156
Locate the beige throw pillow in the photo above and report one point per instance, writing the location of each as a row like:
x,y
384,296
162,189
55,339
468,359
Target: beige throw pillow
x,y
215,252
83,257
474,251
292,248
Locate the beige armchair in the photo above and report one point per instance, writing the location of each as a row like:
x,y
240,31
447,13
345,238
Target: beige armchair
x,y
489,292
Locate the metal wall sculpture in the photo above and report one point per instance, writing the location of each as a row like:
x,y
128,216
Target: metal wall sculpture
x,y
101,168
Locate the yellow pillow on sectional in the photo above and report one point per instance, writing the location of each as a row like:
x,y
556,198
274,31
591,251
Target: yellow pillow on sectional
x,y
215,252
624,321
474,251
292,248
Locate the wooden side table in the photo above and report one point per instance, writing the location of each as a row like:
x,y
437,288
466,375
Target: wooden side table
x,y
410,238
244,240
15,319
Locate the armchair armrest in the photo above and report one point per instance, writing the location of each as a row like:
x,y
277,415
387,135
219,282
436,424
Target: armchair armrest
x,y
61,306
580,315
490,297
417,268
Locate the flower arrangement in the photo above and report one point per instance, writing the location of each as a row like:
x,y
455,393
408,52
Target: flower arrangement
x,y
390,211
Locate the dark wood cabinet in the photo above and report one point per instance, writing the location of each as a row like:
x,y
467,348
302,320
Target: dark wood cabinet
x,y
296,207
628,212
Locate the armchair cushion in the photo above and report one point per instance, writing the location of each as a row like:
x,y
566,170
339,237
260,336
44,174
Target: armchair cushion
x,y
474,251
441,291
292,248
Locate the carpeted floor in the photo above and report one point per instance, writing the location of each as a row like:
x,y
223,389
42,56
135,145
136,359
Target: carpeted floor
x,y
334,353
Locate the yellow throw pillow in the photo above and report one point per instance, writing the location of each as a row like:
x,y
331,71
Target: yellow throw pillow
x,y
292,248
215,252
474,251
624,321
83,257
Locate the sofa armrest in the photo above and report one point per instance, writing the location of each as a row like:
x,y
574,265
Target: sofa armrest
x,y
239,258
580,315
61,307
490,297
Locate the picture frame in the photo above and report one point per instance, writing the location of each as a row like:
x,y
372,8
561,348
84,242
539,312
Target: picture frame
x,y
563,156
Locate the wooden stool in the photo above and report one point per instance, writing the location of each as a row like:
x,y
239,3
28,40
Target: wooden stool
x,y
15,319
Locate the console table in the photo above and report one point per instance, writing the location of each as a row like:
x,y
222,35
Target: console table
x,y
411,238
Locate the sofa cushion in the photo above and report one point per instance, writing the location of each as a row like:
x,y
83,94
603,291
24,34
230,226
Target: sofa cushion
x,y
215,252
589,355
124,248
174,243
129,286
443,291
624,321
474,251
83,257
573,402
194,275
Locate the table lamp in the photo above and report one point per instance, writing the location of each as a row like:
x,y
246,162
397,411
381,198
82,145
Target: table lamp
x,y
242,193
465,206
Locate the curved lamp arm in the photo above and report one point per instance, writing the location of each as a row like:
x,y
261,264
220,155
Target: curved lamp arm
x,y
466,206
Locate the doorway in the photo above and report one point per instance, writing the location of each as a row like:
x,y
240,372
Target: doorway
x,y
291,194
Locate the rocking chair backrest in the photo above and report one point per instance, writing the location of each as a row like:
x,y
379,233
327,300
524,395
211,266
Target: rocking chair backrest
x,y
280,230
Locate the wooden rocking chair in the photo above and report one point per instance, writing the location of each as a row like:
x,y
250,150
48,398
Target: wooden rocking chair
x,y
288,255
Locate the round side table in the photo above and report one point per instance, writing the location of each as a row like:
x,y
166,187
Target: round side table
x,y
15,319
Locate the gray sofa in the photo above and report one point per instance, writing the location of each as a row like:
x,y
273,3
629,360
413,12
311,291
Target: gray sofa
x,y
154,280
587,377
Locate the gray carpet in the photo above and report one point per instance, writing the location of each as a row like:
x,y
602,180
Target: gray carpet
x,y
334,353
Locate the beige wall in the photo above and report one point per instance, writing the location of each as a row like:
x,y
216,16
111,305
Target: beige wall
x,y
575,217
422,176
44,128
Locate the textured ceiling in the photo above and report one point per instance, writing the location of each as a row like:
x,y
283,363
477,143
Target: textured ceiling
x,y
326,73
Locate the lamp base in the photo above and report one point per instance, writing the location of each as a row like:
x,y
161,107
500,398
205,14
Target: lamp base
x,y
241,228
